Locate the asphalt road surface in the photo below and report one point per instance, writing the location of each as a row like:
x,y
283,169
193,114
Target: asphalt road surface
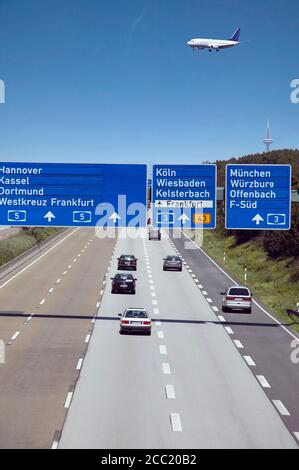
x,y
186,386
46,318
7,232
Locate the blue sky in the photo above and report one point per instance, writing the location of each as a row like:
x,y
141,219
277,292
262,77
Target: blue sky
x,y
101,81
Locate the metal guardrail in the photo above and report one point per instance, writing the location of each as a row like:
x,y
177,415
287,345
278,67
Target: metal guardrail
x,y
295,195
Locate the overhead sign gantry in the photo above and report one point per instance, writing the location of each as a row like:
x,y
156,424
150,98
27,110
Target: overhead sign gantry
x,y
258,197
184,196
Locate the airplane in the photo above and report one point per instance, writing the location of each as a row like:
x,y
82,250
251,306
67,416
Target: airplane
x,y
215,44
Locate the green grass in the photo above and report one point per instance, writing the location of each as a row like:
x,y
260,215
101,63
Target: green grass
x,y
12,247
270,280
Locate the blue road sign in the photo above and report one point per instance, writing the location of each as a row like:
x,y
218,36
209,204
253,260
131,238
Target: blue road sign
x,y
62,194
184,196
258,197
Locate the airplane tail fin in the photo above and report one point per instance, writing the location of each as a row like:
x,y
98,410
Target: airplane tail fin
x,y
236,35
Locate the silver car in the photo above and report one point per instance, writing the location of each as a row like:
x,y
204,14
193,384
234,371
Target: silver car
x,y
237,298
154,234
135,319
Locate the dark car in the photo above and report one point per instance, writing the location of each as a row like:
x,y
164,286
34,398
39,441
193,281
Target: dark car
x,y
123,283
172,262
127,262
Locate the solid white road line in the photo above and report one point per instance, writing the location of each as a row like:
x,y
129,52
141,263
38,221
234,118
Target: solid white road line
x,y
281,408
79,364
163,349
68,400
54,445
262,380
296,434
166,368
176,422
249,361
170,393
37,259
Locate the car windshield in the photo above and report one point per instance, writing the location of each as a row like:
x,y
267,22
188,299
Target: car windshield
x,y
127,257
173,258
239,291
136,314
123,277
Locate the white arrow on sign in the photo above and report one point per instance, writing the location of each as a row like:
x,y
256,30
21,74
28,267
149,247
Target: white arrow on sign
x,y
49,216
183,218
114,217
257,219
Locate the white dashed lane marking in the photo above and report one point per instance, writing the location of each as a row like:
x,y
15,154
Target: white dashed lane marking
x,y
166,368
15,335
262,380
176,422
87,338
238,344
170,392
160,334
68,400
249,361
281,408
229,330
163,349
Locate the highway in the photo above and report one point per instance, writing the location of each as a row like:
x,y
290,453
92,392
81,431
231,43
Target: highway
x,y
46,318
190,385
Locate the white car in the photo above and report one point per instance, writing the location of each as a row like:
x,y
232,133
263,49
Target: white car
x,y
237,298
135,319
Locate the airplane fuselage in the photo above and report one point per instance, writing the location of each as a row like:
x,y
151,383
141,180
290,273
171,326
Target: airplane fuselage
x,y
211,44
